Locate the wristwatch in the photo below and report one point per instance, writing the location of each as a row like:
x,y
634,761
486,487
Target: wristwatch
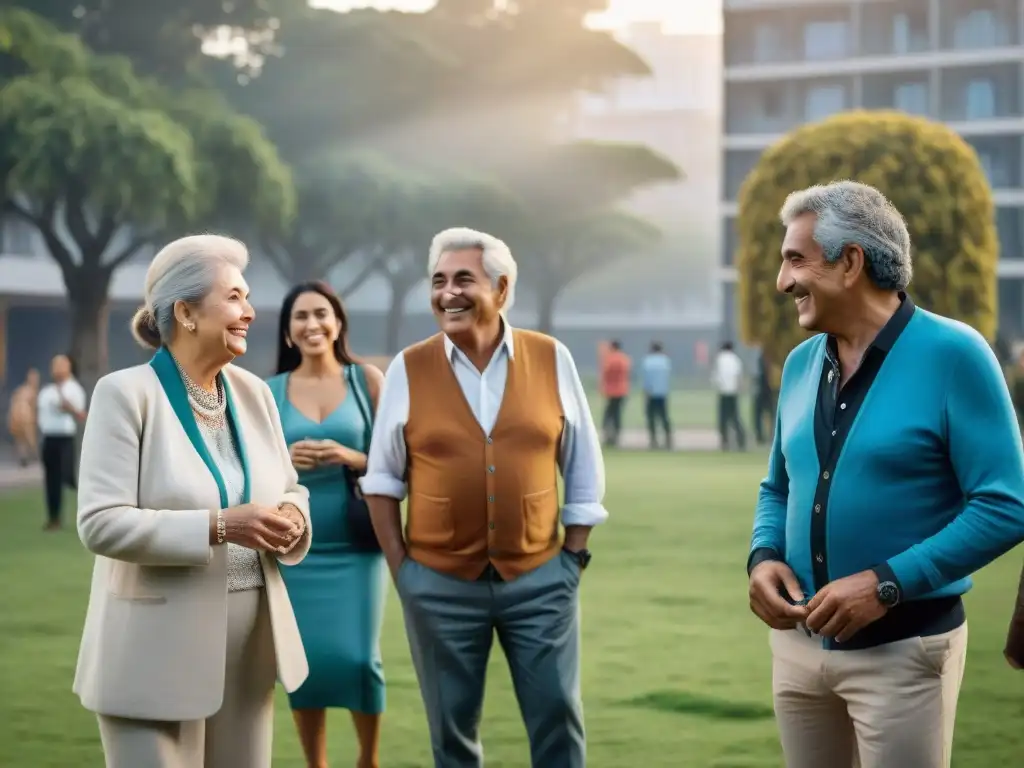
x,y
581,556
888,594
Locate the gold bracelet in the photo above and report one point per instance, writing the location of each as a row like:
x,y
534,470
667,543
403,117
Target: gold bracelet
x,y
222,527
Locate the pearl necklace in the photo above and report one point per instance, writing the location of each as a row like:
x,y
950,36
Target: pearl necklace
x,y
210,408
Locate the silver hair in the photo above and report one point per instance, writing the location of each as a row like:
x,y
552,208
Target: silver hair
x,y
497,257
184,270
851,213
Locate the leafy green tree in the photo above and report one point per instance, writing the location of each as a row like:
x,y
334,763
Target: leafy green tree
x,y
159,37
928,172
347,210
103,163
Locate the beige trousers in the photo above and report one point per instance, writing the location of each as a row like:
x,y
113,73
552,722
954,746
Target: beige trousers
x,y
240,734
892,706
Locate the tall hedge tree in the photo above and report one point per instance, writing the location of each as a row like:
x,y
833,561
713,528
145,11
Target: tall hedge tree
x,y
102,163
928,172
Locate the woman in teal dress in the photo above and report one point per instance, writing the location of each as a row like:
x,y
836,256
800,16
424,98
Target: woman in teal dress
x,y
326,400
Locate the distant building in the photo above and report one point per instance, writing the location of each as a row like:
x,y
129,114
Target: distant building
x,y
675,111
789,62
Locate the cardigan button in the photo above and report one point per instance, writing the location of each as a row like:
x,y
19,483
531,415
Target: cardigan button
x,y
490,440
825,474
490,499
491,469
491,526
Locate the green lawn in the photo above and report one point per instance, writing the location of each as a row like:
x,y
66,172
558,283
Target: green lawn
x,y
676,670
688,409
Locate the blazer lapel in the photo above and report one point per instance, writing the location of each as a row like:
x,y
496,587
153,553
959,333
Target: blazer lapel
x,y
167,373
236,432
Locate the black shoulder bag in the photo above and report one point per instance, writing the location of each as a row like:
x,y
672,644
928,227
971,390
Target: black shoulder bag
x,y
360,527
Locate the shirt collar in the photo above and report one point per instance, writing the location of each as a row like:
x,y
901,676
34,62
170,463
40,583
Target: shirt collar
x,y
506,341
890,331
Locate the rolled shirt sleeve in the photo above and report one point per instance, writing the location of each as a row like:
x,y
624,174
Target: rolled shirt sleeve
x,y
385,464
580,458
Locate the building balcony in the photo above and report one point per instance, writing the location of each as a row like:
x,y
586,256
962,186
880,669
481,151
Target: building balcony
x,y
836,38
777,107
1010,226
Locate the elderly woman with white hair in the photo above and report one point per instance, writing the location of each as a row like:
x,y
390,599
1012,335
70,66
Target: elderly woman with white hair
x,y
475,423
188,499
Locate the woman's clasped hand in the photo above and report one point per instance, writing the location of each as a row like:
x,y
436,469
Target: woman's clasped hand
x,y
263,527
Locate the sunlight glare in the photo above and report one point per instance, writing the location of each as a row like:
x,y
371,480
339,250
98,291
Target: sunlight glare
x,y
685,16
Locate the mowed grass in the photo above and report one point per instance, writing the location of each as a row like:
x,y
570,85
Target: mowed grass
x,y
676,671
688,409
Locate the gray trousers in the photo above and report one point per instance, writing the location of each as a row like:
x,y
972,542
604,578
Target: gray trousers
x,y
451,623
240,734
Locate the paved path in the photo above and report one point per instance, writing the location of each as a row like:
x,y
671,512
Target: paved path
x,y
13,476
683,439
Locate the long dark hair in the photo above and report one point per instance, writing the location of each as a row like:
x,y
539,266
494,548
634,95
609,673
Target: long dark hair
x,y
288,358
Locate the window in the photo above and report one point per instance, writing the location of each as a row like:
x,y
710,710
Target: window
x,y
768,45
16,236
912,98
977,29
980,100
901,33
771,103
824,100
825,40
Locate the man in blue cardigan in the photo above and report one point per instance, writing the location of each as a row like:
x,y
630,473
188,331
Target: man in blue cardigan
x,y
896,472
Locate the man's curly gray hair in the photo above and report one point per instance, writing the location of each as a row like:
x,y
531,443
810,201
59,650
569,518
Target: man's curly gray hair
x,y
851,213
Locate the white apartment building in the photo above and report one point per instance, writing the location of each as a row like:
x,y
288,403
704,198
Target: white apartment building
x,y
788,62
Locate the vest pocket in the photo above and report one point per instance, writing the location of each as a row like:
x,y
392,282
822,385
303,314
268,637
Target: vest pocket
x,y
540,510
430,521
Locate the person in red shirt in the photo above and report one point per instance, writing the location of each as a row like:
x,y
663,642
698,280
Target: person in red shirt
x,y
614,383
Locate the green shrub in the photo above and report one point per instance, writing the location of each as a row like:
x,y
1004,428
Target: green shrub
x,y
928,172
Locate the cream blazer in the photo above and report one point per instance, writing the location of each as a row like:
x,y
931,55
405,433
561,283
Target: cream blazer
x,y
154,642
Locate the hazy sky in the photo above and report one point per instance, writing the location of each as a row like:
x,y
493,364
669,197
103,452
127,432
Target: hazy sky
x,y
678,15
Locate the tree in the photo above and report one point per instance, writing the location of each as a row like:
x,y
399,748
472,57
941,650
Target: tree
x,y
560,252
572,225
422,206
928,172
347,212
102,163
160,38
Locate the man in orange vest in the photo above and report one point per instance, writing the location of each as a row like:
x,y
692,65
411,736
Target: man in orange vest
x,y
473,425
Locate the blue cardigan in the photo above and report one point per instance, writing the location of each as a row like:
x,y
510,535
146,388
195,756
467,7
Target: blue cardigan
x,y
930,480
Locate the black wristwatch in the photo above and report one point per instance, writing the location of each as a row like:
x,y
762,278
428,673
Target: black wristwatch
x,y
888,594
581,556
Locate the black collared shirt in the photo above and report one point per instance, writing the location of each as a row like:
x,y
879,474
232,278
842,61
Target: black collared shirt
x,y
834,414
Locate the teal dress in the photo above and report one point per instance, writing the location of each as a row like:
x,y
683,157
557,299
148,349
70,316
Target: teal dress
x,y
337,592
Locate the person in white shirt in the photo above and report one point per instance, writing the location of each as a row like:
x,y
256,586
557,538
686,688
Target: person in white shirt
x,y
59,410
727,377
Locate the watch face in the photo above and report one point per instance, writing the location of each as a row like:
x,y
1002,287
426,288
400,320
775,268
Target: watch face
x,y
888,594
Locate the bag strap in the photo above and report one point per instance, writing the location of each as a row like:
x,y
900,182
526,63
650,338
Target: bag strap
x,y
356,380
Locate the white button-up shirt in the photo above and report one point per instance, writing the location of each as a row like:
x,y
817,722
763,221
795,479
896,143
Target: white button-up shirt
x,y
727,375
53,420
580,459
